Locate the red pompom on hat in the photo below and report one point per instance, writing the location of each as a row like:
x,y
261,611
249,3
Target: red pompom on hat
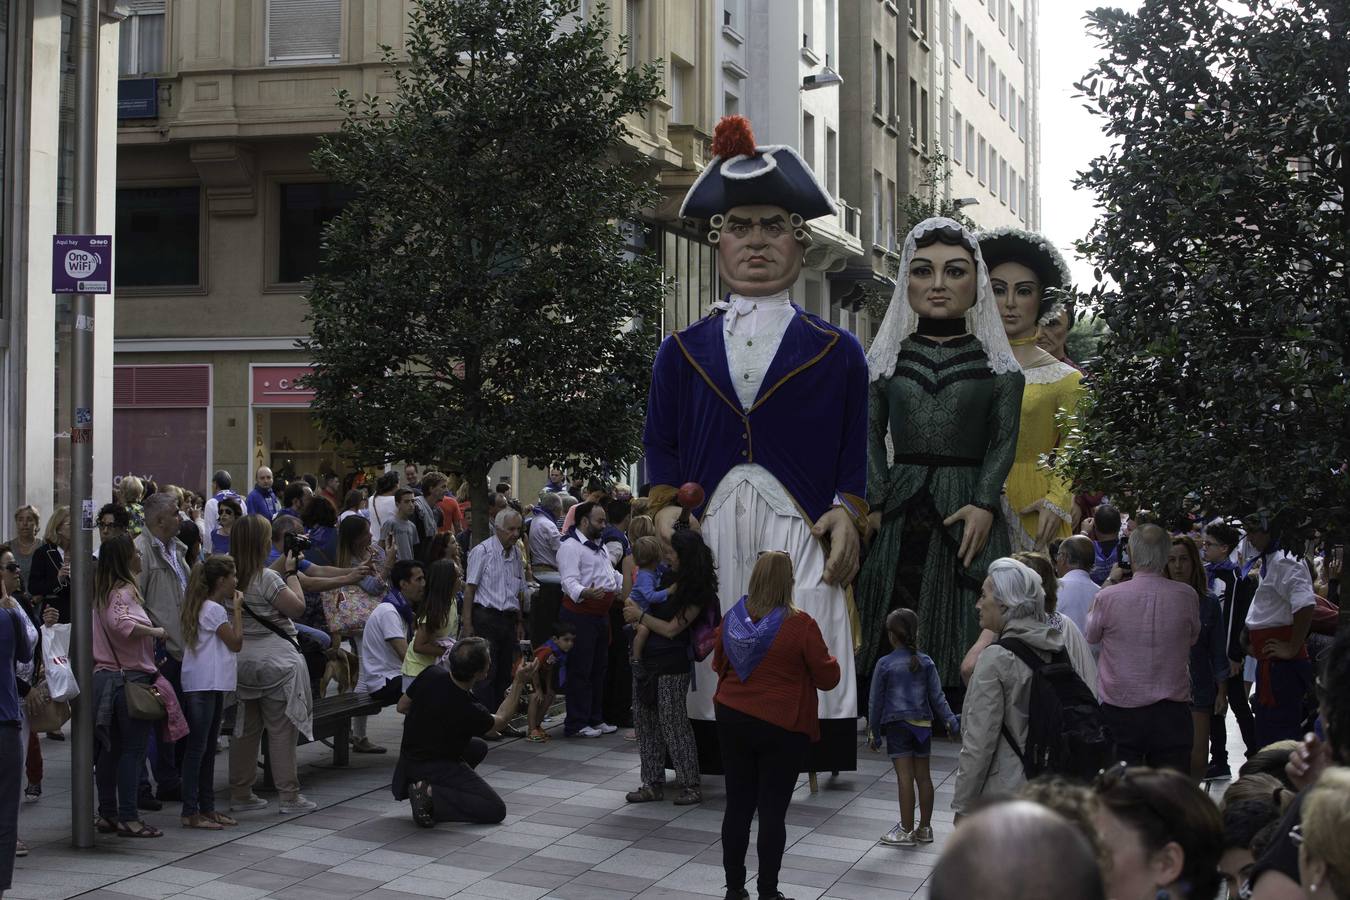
x,y
733,137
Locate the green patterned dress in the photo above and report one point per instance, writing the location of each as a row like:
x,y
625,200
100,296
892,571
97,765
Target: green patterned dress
x,y
953,425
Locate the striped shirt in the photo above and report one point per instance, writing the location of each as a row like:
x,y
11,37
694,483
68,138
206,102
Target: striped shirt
x,y
497,573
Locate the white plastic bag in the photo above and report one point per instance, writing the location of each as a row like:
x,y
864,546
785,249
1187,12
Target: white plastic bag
x,y
55,650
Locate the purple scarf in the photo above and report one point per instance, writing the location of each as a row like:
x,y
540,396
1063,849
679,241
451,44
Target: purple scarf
x,y
561,658
400,603
744,641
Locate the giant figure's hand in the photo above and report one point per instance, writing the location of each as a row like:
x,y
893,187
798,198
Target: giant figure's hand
x,y
1047,524
838,525
873,526
975,535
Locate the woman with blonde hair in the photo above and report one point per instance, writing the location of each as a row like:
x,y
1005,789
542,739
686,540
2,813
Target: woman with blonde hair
x,y
132,490
1324,849
50,581
213,632
272,683
770,660
25,542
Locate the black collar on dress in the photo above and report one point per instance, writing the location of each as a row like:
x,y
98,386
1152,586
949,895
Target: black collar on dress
x,y
929,327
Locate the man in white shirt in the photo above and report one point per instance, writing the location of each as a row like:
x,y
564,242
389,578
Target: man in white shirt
x,y
1076,587
1277,628
590,586
384,643
494,583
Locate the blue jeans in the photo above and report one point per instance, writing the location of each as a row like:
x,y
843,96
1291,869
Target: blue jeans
x,y
319,637
117,769
586,665
203,710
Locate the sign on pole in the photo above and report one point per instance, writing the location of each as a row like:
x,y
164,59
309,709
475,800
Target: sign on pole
x,y
82,264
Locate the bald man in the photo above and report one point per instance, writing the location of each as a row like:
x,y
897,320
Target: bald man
x,y
262,500
1076,587
1017,851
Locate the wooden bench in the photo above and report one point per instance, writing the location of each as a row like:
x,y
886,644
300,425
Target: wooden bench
x,y
332,719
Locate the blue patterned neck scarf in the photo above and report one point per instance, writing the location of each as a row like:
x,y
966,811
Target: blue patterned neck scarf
x,y
561,657
400,603
745,641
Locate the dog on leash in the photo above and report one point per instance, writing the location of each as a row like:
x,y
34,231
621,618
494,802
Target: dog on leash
x,y
342,669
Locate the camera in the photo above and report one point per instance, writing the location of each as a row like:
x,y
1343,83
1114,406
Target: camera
x,y
294,543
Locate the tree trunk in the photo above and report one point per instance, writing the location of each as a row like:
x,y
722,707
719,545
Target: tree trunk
x,y
479,527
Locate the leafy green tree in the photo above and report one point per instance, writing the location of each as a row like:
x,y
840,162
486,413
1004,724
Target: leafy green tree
x,y
1221,251
477,299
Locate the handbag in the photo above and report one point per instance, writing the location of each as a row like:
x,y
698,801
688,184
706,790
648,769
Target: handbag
x,y
43,713
144,701
348,609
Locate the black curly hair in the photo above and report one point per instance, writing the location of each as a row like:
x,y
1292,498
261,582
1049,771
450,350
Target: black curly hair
x,y
696,575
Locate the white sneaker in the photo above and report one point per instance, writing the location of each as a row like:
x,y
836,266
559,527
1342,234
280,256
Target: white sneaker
x,y
253,802
298,805
898,837
606,728
588,731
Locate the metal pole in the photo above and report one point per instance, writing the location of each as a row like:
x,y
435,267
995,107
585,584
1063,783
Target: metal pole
x,y
82,435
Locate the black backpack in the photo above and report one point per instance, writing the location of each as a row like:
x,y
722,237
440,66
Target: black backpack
x,y
1065,735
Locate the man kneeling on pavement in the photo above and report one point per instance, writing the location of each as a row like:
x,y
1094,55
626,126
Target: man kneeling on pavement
x,y
443,739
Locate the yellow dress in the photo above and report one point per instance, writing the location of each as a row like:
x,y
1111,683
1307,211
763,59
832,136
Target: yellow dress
x,y
1050,388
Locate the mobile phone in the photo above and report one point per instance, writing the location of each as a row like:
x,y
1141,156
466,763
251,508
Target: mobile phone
x,y
526,648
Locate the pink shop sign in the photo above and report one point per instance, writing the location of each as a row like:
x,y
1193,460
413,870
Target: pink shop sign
x,y
277,386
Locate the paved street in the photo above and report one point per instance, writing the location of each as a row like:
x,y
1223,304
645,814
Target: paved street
x,y
568,834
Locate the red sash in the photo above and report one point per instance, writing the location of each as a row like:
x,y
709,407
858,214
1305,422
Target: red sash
x,y
1257,637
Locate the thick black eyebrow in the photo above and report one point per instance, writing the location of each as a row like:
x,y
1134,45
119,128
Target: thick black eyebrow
x,y
924,259
772,220
737,220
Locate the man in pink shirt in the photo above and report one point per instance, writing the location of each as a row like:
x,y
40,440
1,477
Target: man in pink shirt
x,y
1145,628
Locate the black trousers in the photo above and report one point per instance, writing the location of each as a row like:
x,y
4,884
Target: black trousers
x,y
1158,735
459,794
1241,705
499,630
761,762
11,770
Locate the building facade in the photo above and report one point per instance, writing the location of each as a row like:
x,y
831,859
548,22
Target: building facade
x,y
220,211
37,162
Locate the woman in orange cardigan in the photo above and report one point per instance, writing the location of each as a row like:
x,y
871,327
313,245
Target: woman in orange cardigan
x,y
770,660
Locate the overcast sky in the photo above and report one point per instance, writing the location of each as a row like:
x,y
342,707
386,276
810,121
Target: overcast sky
x,y
1070,136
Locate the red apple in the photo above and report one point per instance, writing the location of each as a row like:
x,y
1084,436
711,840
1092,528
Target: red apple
x,y
690,495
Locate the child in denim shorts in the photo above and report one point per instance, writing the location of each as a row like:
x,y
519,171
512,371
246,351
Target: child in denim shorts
x,y
905,698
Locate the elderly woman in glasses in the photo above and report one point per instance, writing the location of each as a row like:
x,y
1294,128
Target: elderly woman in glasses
x,y
1012,606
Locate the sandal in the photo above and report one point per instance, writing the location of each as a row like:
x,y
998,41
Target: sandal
x,y
105,825
221,818
146,830
201,821
538,736
646,794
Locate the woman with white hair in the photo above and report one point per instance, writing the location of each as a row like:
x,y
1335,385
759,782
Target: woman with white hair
x,y
1011,605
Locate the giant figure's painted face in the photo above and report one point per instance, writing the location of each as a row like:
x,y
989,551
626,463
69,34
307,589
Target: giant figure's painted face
x,y
758,254
942,281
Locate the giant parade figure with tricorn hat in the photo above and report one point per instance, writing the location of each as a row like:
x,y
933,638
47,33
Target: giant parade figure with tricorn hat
x,y
765,406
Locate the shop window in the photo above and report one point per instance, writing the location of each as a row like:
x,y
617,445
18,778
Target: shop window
x,y
305,210
160,423
158,240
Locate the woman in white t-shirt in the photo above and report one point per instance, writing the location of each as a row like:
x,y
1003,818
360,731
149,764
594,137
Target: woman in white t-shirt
x,y
212,636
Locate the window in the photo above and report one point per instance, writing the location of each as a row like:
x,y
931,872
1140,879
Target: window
x,y
301,31
890,215
1021,40
1012,108
914,14
878,214
141,39
970,149
923,18
679,92
831,18
158,241
891,103
1012,194
990,9
980,67
305,210
913,112
1002,95
1012,26
993,171
808,8
731,13
632,23
1022,119
956,37
983,162
1002,15
923,119
958,135
1022,191
731,104
1003,181
809,141
831,161
970,55
993,80
878,74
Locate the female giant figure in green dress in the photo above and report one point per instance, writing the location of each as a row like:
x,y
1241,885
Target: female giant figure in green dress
x,y
944,405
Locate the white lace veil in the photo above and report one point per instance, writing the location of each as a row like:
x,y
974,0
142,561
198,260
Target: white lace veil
x,y
982,319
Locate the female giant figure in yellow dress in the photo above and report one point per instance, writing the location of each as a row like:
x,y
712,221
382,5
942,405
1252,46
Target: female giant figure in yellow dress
x,y
1028,276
